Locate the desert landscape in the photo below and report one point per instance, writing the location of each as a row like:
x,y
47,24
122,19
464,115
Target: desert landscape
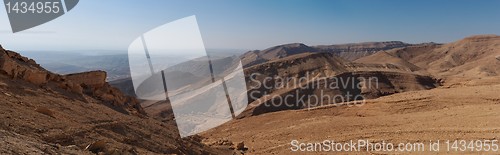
x,y
47,113
459,100
421,93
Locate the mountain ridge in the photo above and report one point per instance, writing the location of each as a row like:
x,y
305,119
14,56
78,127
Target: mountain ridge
x,y
350,51
466,59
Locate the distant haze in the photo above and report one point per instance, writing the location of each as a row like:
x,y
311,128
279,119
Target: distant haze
x,y
258,24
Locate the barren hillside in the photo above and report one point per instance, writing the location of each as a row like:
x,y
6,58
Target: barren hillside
x,y
312,73
347,51
46,113
467,113
355,51
467,59
465,107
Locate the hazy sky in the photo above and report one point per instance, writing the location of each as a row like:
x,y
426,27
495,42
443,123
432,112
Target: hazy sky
x,y
258,24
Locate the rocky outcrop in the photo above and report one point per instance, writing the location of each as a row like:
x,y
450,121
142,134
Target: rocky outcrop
x,y
94,84
17,66
94,79
91,84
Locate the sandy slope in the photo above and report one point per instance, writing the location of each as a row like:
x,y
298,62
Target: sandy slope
x,y
466,107
41,120
464,112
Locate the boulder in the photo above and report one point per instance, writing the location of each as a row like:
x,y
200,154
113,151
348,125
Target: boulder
x,y
93,79
75,88
36,77
240,146
8,66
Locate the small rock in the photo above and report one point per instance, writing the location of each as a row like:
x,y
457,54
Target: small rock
x,y
73,147
46,111
97,146
240,146
223,142
58,146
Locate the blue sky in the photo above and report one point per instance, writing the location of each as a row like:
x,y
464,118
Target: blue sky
x,y
258,24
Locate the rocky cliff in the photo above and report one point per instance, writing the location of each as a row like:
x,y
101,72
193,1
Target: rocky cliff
x,y
82,85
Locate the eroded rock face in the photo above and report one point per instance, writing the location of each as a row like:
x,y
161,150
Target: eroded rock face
x,y
312,80
94,79
17,66
92,83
